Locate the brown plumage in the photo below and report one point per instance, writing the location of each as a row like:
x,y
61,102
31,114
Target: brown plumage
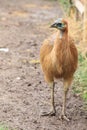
x,y
59,58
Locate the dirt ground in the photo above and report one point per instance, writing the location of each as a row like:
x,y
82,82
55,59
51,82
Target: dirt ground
x,y
24,24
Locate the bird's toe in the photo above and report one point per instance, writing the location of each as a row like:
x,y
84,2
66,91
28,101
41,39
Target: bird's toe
x,y
52,113
64,117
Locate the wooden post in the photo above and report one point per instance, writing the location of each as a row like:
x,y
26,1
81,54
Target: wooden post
x,y
76,8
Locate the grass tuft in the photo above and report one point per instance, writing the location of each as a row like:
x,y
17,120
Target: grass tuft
x,y
80,83
65,4
2,127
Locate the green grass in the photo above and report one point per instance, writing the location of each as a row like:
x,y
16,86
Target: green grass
x,y
80,83
65,4
2,127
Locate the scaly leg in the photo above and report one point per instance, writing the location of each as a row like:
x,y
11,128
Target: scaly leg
x,y
67,84
52,112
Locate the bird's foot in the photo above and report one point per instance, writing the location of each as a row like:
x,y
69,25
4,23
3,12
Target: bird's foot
x,y
64,117
52,113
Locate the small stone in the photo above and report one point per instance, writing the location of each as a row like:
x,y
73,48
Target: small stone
x,y
29,84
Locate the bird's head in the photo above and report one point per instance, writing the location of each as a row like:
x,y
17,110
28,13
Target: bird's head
x,y
60,24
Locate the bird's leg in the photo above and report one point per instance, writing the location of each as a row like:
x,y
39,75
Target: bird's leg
x,y
52,112
67,84
63,116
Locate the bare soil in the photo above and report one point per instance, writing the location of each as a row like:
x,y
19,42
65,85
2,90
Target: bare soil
x,y
24,24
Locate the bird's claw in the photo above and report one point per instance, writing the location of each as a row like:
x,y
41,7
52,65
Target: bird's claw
x,y
64,117
52,113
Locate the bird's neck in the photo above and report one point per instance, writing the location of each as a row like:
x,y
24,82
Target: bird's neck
x,y
61,34
64,35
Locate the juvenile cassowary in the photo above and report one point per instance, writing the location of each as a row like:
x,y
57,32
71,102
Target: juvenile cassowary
x,y
59,59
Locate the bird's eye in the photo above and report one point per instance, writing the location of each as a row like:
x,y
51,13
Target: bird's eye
x,y
59,24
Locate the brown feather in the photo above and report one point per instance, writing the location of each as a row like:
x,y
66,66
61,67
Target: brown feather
x,y
58,60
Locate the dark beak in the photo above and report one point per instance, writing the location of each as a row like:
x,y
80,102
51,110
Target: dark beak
x,y
53,25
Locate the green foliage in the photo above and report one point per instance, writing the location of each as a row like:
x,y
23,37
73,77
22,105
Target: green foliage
x,y
80,83
2,127
65,4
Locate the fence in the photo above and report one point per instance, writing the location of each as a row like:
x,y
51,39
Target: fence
x,y
77,8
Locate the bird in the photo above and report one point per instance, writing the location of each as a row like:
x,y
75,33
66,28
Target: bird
x,y
59,60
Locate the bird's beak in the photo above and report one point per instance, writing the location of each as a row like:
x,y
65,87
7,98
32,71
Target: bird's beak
x,y
53,25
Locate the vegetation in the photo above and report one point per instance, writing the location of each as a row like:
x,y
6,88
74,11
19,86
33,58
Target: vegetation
x,y
80,84
3,127
65,4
